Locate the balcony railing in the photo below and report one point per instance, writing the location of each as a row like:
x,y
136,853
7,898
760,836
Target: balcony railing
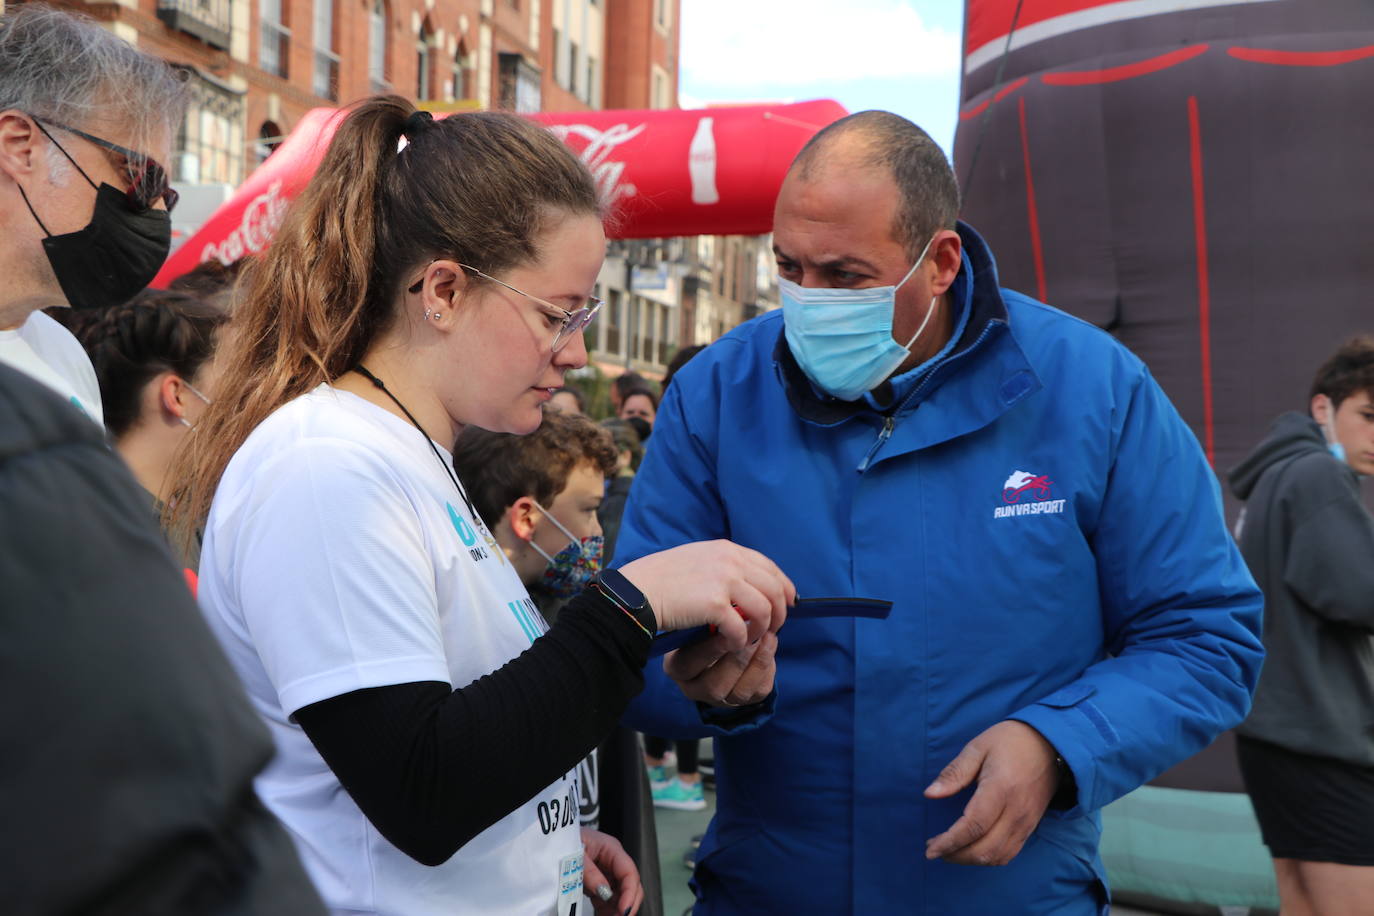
x,y
209,20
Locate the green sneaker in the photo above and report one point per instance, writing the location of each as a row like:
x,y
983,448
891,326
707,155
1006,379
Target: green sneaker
x,y
658,777
680,796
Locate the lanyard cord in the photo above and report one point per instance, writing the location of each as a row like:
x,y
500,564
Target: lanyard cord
x,y
362,370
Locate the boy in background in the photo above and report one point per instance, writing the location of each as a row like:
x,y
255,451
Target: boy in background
x,y
1307,748
539,496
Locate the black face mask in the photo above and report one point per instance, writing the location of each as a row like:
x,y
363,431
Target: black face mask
x,y
117,254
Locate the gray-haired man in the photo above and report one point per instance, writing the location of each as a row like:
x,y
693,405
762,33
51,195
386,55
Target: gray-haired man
x,y
127,747
85,122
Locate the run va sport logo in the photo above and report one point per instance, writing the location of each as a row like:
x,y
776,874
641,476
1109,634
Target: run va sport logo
x,y
1025,493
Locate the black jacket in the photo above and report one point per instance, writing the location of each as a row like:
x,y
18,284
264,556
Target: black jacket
x,y
609,512
127,746
1310,545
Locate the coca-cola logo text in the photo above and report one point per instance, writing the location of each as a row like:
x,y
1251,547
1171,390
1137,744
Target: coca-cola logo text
x,y
597,156
261,220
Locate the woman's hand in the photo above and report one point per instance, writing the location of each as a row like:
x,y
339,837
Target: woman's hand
x,y
603,855
739,591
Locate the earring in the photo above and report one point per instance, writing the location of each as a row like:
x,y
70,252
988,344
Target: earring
x,y
428,312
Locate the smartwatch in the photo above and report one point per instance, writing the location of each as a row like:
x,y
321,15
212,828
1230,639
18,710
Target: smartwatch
x,y
622,593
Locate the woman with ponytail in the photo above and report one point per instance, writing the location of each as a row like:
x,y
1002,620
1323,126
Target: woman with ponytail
x,y
433,275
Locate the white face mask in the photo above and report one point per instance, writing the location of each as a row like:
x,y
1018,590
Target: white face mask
x,y
184,422
842,338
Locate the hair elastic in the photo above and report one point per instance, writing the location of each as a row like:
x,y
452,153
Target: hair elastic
x,y
418,122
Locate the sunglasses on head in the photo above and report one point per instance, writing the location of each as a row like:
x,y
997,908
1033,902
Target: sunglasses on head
x,y
147,178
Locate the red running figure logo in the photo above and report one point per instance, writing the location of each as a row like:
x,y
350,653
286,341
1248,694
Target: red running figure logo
x,y
1022,482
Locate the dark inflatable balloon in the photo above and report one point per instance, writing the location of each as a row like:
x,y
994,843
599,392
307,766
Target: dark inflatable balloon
x,y
1193,176
1199,182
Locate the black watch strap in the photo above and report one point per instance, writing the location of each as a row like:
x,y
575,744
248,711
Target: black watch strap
x,y
621,592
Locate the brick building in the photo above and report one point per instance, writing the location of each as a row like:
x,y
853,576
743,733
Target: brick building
x,y
257,66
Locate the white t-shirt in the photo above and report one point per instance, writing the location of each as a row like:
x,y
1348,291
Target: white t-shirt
x,y
339,556
43,349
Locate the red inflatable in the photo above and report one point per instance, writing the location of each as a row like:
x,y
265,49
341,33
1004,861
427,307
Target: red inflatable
x,y
712,171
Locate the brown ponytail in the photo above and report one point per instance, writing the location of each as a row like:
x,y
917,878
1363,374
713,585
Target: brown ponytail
x,y
476,187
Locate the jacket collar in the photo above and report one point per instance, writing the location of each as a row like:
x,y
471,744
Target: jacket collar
x,y
987,321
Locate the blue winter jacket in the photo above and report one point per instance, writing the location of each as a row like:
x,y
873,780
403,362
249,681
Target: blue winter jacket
x,y
1053,540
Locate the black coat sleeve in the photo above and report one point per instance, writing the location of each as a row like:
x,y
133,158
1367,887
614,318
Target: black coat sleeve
x,y
413,755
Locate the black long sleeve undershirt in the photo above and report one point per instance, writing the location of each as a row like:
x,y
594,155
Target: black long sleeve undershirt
x,y
432,768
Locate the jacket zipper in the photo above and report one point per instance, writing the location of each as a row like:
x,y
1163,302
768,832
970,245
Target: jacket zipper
x,y
889,422
883,435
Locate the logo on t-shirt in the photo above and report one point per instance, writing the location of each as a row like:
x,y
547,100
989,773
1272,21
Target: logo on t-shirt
x,y
528,616
478,552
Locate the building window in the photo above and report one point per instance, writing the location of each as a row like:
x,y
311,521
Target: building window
x,y
209,20
614,320
658,97
269,138
423,90
460,76
326,81
376,46
663,11
560,71
665,336
210,144
593,90
519,84
275,39
643,327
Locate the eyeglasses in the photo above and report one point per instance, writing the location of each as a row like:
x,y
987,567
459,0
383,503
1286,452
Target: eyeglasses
x,y
147,178
571,322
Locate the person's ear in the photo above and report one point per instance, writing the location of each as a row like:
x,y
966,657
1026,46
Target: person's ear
x,y
947,254
20,145
169,394
1322,409
441,292
522,516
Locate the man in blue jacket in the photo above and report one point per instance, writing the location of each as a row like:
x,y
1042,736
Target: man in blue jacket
x,y
1070,614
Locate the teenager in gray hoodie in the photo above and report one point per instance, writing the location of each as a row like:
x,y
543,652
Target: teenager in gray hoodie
x,y
1307,749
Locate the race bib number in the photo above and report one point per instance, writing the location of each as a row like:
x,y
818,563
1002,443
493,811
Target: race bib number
x,y
569,885
560,811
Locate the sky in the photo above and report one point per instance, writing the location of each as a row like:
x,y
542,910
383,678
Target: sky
x,y
899,55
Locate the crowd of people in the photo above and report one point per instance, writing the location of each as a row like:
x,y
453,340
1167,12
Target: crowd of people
x,y
325,593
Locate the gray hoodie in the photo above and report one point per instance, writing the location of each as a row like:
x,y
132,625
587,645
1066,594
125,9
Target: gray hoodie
x,y
1310,545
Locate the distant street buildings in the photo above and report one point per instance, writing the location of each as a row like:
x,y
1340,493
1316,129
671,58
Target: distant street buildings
x,y
257,66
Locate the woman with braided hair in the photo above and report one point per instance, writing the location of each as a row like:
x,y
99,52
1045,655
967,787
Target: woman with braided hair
x,y
154,358
434,275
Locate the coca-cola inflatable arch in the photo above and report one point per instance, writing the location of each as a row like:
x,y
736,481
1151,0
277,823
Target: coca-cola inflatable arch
x,y
712,171
1192,175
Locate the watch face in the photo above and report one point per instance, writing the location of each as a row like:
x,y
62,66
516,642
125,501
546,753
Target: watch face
x,y
623,588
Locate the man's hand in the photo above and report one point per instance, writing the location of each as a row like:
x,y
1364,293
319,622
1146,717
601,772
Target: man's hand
x,y
709,673
609,876
1014,767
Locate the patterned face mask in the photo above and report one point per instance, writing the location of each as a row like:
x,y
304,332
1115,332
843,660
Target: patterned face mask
x,y
569,570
